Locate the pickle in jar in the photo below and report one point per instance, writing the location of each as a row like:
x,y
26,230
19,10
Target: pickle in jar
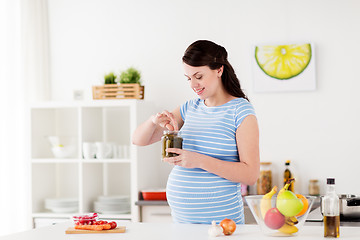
x,y
178,142
164,143
170,139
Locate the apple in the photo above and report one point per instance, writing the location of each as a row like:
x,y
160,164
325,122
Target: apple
x,y
274,219
288,204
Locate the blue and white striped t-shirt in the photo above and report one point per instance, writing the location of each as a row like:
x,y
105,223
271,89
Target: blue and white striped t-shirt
x,y
195,195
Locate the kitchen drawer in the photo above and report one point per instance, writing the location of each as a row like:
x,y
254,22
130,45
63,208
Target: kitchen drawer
x,y
156,214
163,214
43,222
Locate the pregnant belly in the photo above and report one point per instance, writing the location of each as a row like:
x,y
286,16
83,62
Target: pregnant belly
x,y
196,196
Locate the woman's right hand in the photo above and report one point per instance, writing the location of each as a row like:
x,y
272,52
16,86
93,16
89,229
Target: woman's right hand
x,y
152,129
165,120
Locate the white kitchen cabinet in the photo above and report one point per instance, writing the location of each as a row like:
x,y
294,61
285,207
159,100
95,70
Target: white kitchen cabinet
x,y
156,214
162,213
111,121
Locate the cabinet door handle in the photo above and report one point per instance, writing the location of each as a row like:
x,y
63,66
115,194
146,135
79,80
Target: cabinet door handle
x,y
160,214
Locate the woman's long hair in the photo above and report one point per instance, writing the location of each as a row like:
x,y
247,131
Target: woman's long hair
x,y
207,53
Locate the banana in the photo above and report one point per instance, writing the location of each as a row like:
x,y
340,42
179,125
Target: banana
x,y
286,186
288,229
291,221
265,203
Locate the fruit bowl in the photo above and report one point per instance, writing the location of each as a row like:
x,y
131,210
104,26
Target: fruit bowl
x,y
270,214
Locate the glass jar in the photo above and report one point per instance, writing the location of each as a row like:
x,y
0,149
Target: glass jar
x,y
170,139
314,188
264,182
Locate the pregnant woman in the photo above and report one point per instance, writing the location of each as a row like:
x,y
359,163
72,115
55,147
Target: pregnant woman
x,y
221,140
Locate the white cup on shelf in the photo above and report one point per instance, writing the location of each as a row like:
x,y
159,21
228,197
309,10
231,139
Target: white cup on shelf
x,y
114,150
103,150
89,150
125,150
119,151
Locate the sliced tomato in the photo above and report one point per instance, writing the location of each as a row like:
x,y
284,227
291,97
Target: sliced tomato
x,y
113,225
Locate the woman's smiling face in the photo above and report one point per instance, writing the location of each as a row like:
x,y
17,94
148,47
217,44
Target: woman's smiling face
x,y
203,81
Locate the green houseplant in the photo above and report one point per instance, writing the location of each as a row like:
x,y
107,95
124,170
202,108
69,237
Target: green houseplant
x,y
130,75
127,87
110,78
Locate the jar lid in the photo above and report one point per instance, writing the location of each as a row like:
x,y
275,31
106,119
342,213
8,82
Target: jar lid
x,y
170,132
265,163
314,180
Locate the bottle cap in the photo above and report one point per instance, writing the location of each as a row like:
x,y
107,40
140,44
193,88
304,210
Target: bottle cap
x,y
265,163
330,180
287,162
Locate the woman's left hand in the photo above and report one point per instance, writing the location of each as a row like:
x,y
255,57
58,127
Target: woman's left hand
x,y
186,159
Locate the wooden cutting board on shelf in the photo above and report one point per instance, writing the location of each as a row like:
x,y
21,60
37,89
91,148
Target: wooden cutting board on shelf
x,y
72,230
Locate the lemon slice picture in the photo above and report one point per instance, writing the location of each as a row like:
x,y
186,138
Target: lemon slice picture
x,y
283,61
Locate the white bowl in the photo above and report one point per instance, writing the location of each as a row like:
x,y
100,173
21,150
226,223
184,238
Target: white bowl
x,y
62,205
64,209
114,199
112,208
63,151
61,202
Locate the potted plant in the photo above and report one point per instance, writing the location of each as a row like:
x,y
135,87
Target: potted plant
x,y
130,75
128,86
110,78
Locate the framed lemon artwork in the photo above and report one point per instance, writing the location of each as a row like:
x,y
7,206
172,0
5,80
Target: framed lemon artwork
x,y
285,67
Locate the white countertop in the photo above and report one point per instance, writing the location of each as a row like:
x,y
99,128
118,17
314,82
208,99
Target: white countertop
x,y
170,231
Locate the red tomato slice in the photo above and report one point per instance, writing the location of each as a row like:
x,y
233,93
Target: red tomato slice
x,y
113,225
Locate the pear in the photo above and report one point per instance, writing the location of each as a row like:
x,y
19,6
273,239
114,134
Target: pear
x,y
287,202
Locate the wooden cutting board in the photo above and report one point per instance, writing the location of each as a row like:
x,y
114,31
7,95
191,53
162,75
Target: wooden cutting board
x,y
72,230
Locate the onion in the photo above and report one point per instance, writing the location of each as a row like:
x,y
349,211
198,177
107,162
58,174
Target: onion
x,y
228,225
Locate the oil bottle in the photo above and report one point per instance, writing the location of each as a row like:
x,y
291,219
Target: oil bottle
x,y
288,174
331,210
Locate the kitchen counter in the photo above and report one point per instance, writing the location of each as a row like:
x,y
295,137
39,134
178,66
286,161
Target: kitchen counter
x,y
141,202
170,231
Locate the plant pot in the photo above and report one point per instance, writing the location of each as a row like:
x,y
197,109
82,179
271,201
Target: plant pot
x,y
119,91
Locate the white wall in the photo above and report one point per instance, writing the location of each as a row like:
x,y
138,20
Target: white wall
x,y
319,131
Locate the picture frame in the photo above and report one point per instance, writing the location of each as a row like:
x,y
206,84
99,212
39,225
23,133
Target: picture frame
x,y
284,67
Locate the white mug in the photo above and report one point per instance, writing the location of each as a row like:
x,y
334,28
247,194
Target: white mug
x,y
103,150
88,150
124,151
114,150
